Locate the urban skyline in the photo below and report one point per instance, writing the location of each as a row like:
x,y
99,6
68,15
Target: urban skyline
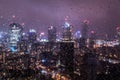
x,y
59,40
103,15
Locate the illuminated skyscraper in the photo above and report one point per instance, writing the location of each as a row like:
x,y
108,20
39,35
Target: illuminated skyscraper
x,y
42,37
51,34
15,31
77,35
3,37
32,38
67,34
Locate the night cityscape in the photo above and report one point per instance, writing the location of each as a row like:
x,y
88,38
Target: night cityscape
x,y
59,40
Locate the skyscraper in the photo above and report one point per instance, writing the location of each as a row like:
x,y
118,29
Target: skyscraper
x,y
23,46
84,32
23,43
67,34
32,36
92,38
15,31
77,35
89,66
84,29
67,57
118,33
51,34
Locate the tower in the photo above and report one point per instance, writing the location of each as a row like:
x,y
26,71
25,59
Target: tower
x,y
32,36
67,32
84,29
118,33
23,46
77,35
23,43
52,34
92,35
67,57
84,32
15,31
89,66
92,39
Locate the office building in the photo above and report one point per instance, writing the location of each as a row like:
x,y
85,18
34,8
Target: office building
x,y
15,31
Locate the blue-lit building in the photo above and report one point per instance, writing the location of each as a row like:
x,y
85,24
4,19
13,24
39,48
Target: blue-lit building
x,y
15,31
77,35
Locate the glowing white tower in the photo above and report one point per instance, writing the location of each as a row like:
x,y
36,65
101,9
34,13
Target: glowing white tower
x,y
15,31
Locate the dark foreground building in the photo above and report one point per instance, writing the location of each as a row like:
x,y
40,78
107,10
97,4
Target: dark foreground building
x,y
67,57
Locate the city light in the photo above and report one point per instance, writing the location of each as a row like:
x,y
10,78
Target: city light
x,y
13,16
67,25
39,42
43,60
78,34
32,30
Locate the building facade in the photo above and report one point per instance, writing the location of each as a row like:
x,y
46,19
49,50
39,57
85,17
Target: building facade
x,y
15,32
52,34
67,34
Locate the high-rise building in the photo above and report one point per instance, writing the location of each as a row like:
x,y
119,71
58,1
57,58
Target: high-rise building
x,y
23,43
67,34
84,29
52,37
43,37
84,32
89,66
77,35
118,33
82,43
15,31
92,38
52,34
23,46
3,38
67,57
46,58
32,36
24,36
93,35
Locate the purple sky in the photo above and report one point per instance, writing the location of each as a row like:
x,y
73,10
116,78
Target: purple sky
x,y
104,15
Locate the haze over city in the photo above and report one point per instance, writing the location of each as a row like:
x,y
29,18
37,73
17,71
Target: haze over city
x,y
40,14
